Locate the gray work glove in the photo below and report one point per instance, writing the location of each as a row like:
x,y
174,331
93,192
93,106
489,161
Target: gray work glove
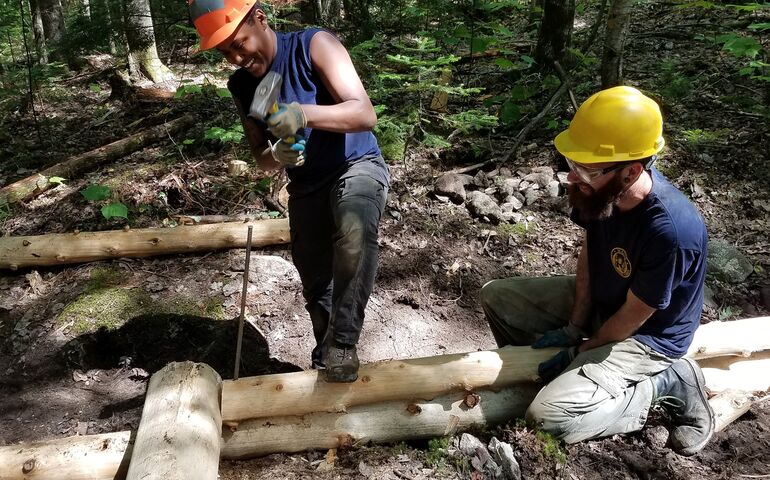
x,y
287,121
566,336
288,154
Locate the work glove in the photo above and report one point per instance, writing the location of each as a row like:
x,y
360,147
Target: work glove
x,y
288,154
566,336
287,120
552,368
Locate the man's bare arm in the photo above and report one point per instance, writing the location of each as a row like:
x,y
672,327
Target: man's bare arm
x,y
353,111
582,306
627,320
257,142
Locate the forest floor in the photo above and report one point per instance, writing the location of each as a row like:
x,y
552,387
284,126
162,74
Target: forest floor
x,y
61,374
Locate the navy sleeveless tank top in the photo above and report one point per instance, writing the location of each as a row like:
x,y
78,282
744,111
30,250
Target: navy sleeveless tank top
x,y
327,154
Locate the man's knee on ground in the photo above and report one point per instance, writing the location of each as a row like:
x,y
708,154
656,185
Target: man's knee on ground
x,y
549,418
488,295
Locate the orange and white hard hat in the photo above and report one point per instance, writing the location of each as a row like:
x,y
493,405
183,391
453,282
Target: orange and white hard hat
x,y
216,20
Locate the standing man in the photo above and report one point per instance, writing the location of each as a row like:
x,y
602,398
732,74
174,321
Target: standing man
x,y
338,178
629,315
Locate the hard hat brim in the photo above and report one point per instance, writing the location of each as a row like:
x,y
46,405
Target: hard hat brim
x,y
577,153
219,36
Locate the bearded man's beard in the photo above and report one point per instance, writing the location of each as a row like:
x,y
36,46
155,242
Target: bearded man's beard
x,y
599,204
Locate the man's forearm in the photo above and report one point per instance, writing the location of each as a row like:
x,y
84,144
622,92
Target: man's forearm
x,y
355,115
582,306
624,323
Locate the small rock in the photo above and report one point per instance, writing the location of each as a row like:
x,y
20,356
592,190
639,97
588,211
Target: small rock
x,y
524,185
507,186
468,444
233,286
490,190
531,196
705,157
493,174
669,45
481,180
502,453
540,175
482,205
514,201
443,198
727,262
708,298
452,185
553,188
366,470
506,172
156,287
397,215
562,177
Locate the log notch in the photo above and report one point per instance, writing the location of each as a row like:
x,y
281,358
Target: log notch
x,y
427,378
90,457
179,433
38,183
59,249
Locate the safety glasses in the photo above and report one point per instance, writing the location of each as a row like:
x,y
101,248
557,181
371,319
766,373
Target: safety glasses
x,y
589,175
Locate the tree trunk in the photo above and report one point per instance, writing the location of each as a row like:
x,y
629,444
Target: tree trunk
x,y
86,8
38,183
179,433
66,248
142,51
53,20
38,31
328,11
614,40
425,378
555,32
111,30
89,457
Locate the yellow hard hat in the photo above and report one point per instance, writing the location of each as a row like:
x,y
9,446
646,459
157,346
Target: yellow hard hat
x,y
618,124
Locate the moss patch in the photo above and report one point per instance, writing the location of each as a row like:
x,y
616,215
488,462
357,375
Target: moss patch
x,y
112,306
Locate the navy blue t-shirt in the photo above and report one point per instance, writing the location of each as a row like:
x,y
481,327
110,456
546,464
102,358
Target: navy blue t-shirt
x,y
328,155
658,250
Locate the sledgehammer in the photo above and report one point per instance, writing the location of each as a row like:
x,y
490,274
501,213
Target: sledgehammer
x,y
265,101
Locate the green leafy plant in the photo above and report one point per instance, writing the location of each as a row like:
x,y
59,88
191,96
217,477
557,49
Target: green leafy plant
x,y
697,138
674,84
552,447
437,451
97,193
232,135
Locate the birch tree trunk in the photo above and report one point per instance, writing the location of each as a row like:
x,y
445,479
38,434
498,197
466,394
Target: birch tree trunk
x,y
142,50
38,31
555,31
52,16
614,40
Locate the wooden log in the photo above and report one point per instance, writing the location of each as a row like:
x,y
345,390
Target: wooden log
x,y
729,406
59,249
378,423
38,183
750,374
90,457
424,378
179,433
739,337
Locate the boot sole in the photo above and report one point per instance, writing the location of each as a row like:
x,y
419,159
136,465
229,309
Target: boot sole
x,y
701,383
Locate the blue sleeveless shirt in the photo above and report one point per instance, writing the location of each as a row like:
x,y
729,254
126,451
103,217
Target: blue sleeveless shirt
x,y
328,155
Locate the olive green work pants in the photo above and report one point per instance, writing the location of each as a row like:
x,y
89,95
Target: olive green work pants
x,y
604,391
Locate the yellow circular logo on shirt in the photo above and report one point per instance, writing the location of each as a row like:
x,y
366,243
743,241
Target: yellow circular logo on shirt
x,y
620,261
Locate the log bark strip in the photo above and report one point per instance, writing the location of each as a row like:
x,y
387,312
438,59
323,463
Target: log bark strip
x,y
91,457
34,185
60,249
179,433
426,378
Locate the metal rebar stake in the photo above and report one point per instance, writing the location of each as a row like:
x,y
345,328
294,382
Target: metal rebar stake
x,y
243,305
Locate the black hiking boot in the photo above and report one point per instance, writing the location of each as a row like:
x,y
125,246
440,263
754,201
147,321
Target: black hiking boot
x,y
680,390
341,363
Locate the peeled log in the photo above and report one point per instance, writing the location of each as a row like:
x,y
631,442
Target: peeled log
x,y
426,378
378,423
178,436
34,185
90,457
739,337
63,248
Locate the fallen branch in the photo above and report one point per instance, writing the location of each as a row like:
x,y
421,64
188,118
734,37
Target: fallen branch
x,y
66,248
34,185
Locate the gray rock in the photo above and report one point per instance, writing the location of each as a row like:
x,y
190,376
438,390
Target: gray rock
x,y
552,189
507,186
562,178
524,185
540,175
234,285
708,298
482,205
531,196
481,180
512,203
468,444
502,454
452,185
727,263
506,172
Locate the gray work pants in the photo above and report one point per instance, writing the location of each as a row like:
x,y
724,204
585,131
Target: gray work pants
x,y
604,391
334,247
